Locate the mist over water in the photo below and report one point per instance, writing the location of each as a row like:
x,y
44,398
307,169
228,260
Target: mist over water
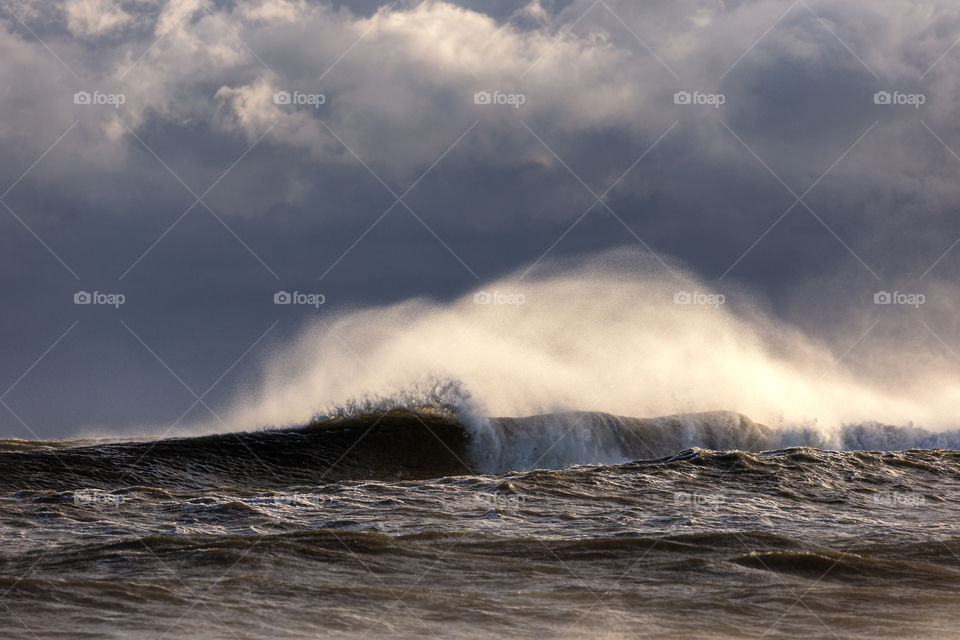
x,y
613,333
613,419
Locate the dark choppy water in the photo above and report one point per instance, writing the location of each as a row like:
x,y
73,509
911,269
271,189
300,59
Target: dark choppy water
x,y
384,527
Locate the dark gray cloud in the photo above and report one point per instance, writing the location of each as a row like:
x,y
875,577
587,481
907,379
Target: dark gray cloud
x,y
291,193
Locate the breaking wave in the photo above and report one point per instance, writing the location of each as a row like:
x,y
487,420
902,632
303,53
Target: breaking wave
x,y
606,333
419,442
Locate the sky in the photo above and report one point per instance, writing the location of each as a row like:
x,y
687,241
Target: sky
x,y
168,169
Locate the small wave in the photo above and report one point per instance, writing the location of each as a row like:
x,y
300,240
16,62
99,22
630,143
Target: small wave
x,y
866,436
832,566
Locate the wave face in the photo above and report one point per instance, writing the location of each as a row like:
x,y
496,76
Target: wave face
x,y
408,444
560,440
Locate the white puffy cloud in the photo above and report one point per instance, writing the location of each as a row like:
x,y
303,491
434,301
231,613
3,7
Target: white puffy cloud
x,y
96,17
398,84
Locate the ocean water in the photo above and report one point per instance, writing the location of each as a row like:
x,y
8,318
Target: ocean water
x,y
419,523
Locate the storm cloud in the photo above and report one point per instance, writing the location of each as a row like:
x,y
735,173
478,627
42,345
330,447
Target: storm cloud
x,y
199,157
